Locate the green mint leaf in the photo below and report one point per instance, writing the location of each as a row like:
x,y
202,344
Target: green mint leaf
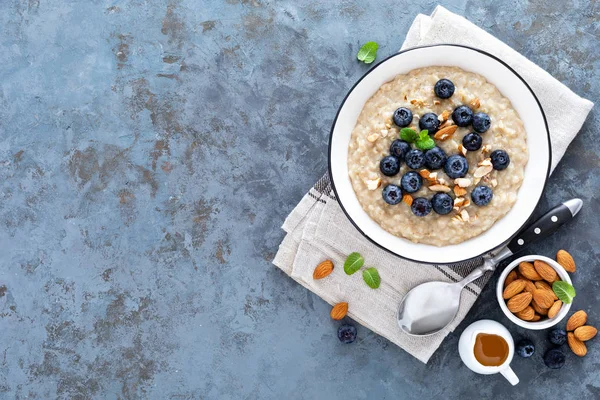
x,y
368,52
408,135
353,263
425,142
564,291
371,277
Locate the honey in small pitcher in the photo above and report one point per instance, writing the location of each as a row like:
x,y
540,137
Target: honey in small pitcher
x,y
490,350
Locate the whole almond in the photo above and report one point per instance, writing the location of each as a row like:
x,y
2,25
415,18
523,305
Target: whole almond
x,y
576,345
513,289
545,271
323,269
519,302
529,286
512,276
585,332
538,309
536,317
543,285
576,320
552,311
565,260
543,298
339,311
528,271
527,314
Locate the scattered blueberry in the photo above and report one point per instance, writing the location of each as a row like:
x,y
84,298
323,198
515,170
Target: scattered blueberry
x,y
444,88
347,333
415,159
481,122
442,203
558,336
389,165
399,148
392,194
462,116
456,166
472,141
403,117
430,122
500,159
525,348
435,158
411,182
554,358
421,206
482,195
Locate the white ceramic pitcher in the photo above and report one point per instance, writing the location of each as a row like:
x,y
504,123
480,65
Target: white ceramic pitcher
x,y
466,346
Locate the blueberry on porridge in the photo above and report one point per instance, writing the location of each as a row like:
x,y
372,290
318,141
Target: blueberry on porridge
x,y
441,139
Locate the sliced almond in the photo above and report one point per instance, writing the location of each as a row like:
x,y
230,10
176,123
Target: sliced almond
x,y
486,148
475,103
459,191
486,161
462,182
373,137
388,125
439,188
373,184
457,218
445,115
407,199
424,173
445,133
445,124
384,132
462,150
464,215
442,181
482,171
459,201
432,178
467,204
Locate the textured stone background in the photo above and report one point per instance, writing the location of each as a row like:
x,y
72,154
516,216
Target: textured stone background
x,y
149,152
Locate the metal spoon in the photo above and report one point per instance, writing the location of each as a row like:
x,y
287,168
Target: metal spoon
x,y
430,307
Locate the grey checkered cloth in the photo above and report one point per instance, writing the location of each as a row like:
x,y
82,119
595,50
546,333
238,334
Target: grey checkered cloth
x,y
317,229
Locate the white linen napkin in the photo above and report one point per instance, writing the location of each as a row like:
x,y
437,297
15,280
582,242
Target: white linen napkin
x,y
317,229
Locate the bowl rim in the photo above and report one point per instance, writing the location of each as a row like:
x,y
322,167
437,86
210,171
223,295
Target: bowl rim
x,y
329,154
564,310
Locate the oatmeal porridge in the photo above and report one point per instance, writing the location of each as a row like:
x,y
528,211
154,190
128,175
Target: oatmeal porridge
x,y
437,156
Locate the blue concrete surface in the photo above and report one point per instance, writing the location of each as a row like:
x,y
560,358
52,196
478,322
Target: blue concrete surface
x,y
149,152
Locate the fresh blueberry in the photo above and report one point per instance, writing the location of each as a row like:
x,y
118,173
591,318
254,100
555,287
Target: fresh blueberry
x,y
444,88
500,159
435,158
411,182
403,117
472,141
482,195
347,333
554,358
399,148
415,159
421,206
442,203
430,122
456,166
389,165
557,336
392,194
462,116
525,348
481,122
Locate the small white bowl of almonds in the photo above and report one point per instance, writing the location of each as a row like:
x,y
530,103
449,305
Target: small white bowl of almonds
x,y
525,292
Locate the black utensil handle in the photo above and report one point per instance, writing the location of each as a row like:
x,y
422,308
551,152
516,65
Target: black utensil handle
x,y
542,228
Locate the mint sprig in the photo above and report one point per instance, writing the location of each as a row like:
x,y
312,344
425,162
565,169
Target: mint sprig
x,y
564,291
371,277
408,135
353,263
424,142
368,52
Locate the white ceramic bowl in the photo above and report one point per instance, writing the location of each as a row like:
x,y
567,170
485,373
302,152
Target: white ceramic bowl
x,y
547,323
509,83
